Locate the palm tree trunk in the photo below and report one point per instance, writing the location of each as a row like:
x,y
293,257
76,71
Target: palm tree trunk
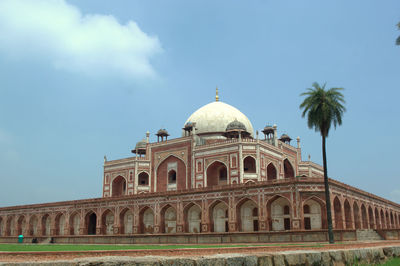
x,y
327,194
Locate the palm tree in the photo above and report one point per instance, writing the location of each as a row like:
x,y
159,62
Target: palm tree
x,y
398,38
324,108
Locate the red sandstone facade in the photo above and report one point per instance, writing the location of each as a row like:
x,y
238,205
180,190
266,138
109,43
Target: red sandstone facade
x,y
207,182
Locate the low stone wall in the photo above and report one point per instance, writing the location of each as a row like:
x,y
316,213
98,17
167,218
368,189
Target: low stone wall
x,y
333,257
203,238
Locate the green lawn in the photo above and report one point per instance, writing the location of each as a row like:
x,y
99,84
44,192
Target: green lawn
x,y
73,247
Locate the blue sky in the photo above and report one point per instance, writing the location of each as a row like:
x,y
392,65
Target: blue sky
x,y
84,79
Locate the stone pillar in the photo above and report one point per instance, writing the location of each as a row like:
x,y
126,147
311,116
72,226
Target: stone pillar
x,y
205,217
343,214
232,215
258,166
275,142
241,172
136,222
180,223
353,222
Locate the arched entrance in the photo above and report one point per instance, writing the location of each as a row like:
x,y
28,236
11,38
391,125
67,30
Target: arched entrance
x,y
377,219
147,220
288,168
33,226
371,218
249,165
126,221
364,217
91,221
46,223
271,172
107,223
10,226
383,224
220,217
193,219
74,223
279,211
60,224
169,218
21,225
1,226
356,211
248,216
217,174
118,186
312,215
347,215
337,207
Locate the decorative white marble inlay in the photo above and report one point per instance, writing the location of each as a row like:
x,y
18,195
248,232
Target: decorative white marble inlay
x,y
199,177
248,147
234,172
250,176
235,148
271,152
144,164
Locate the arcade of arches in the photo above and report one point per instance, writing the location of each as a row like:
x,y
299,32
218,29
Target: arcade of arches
x,y
244,214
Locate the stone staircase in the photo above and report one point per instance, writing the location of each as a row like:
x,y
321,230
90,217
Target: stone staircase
x,y
367,235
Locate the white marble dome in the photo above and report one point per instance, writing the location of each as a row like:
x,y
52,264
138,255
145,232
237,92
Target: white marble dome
x,y
214,118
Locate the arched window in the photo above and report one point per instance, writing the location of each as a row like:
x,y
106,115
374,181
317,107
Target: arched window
x,y
306,209
249,165
118,186
271,172
172,177
143,179
289,172
286,210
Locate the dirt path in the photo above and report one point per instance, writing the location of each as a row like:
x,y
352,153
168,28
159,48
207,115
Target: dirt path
x,y
68,255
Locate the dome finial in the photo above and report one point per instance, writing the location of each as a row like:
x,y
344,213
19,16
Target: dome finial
x,y
216,95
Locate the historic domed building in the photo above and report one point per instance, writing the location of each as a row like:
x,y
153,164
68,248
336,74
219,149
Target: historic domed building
x,y
219,182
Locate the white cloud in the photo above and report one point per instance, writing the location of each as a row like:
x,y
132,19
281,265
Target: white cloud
x,y
94,44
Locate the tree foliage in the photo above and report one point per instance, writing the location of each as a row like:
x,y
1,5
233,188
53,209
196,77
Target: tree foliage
x,y
323,108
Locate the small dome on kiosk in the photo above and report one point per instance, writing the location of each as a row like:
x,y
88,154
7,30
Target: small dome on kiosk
x,y
140,147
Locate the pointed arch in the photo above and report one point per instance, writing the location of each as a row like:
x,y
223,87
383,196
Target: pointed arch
x,y
60,224
279,213
90,222
288,169
46,225
146,217
347,215
247,211
143,179
377,220
126,221
364,218
176,167
168,219
216,174
192,217
33,225
383,222
312,214
356,214
2,223
337,208
388,226
107,222
22,226
249,164
74,223
391,220
371,218
271,172
118,186
218,211
10,226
